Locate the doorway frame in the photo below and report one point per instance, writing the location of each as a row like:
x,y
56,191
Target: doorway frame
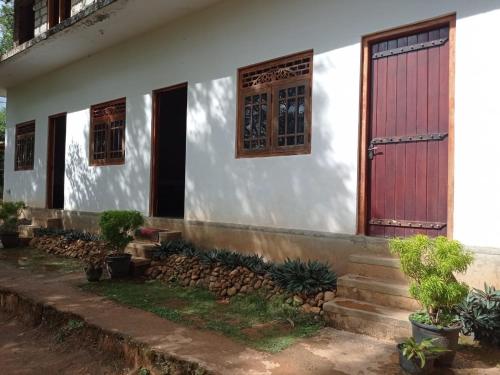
x,y
365,108
153,191
49,186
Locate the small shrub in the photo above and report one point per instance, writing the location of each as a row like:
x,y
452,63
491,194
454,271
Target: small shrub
x,y
430,263
304,278
117,227
9,214
479,313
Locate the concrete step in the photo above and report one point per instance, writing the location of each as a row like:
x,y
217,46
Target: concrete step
x,y
377,267
138,266
383,292
367,318
169,235
141,249
54,222
27,230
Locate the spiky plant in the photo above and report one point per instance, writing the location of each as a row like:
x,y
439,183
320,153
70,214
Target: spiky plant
x,y
412,350
304,278
479,313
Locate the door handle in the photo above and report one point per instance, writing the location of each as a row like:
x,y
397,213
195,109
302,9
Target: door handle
x,y
371,151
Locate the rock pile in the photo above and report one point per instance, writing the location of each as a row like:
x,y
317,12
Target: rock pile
x,y
73,249
226,283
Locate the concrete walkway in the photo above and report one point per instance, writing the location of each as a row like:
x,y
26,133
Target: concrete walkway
x,y
330,352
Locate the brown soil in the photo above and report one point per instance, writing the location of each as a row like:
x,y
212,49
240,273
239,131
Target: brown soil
x,y
260,330
26,350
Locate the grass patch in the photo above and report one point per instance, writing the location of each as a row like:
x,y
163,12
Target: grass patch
x,y
39,261
268,325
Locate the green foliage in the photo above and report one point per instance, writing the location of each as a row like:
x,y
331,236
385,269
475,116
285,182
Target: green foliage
x,y
480,315
144,371
6,27
117,227
9,214
304,278
294,276
420,351
174,247
431,264
231,259
69,235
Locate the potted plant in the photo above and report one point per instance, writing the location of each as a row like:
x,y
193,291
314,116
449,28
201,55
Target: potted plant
x,y
9,213
430,264
418,358
94,266
117,228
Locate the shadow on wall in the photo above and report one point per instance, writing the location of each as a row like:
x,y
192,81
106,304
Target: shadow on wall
x,y
304,192
100,188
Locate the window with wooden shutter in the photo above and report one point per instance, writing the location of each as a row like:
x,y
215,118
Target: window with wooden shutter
x,y
24,157
274,107
58,11
107,133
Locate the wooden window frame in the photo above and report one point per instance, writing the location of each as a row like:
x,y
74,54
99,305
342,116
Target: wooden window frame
x,y
63,12
365,87
272,89
27,166
94,121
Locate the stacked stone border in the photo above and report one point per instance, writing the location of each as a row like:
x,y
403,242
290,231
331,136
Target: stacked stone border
x,y
224,282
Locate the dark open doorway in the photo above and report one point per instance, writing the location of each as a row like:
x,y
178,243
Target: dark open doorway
x,y
169,152
56,161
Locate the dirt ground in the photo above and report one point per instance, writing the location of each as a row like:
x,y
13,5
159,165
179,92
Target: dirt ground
x,y
25,350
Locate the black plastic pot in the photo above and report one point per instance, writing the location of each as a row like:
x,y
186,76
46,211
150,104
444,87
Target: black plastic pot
x,y
10,240
412,366
118,265
444,337
93,273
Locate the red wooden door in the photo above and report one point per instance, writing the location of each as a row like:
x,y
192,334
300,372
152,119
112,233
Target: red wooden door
x,y
408,135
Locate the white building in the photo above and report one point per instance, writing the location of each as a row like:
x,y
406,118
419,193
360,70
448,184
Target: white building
x,y
272,157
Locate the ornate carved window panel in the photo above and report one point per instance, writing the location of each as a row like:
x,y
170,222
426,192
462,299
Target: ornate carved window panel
x,y
274,107
107,133
24,157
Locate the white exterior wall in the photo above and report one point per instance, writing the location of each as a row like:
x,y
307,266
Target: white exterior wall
x,y
313,192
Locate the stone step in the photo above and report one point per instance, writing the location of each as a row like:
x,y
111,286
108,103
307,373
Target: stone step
x,y
27,230
141,249
169,235
138,266
377,267
378,291
53,223
367,318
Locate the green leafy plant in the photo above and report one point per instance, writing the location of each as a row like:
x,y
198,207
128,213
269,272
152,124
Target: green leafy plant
x,y
479,313
9,214
430,263
412,350
69,235
304,278
117,227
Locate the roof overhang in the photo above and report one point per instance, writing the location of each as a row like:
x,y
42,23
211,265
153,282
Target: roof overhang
x,y
101,25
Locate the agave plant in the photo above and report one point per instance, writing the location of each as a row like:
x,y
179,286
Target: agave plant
x,y
304,278
480,314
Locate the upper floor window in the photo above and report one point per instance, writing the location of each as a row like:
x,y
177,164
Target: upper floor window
x,y
107,133
274,107
24,21
58,11
25,146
